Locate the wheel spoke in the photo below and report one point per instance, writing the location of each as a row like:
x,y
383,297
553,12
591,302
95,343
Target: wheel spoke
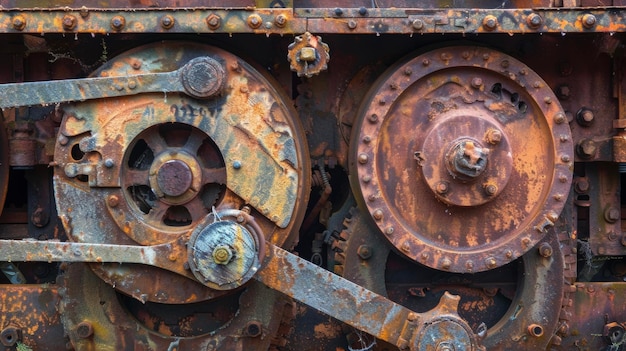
x,y
214,175
155,142
194,141
157,213
196,208
135,176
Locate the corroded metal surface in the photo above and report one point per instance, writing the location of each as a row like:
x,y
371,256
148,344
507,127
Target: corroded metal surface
x,y
439,162
114,166
367,259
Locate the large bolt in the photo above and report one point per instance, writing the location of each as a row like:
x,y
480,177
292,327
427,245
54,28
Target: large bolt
x,y
534,20
118,22
203,77
589,20
253,329
586,148
467,159
167,21
18,22
545,250
213,21
364,252
585,117
222,254
612,214
490,22
254,21
69,22
494,136
308,54
280,20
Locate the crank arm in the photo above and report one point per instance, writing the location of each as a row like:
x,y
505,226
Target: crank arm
x,y
202,77
442,328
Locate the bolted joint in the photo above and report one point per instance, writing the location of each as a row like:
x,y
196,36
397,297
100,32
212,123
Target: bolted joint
x,y
118,23
364,252
69,22
490,22
222,254
84,330
213,21
545,250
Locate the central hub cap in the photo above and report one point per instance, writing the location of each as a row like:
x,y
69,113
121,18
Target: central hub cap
x,y
466,160
174,177
223,255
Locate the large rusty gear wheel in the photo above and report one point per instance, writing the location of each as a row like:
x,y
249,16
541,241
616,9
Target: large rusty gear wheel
x,y
96,317
155,169
463,157
366,258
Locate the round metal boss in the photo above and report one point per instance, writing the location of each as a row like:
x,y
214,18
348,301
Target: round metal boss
x,y
223,255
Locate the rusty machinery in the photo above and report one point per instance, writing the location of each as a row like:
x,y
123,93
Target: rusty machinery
x,y
258,175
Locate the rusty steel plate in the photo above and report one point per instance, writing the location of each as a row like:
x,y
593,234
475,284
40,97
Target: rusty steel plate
x,y
463,157
147,169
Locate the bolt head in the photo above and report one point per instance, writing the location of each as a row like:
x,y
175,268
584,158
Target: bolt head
x,y
213,21
308,54
364,252
69,22
490,22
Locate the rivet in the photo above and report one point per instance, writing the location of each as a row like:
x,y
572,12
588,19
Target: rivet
x,y
534,20
280,20
109,163
558,197
363,159
382,101
508,254
425,255
412,316
485,56
113,200
425,62
237,164
406,247
418,24
490,22
373,118
366,178
19,22
338,12
525,242
446,263
564,138
378,215
371,197
69,22
589,20
389,230
559,118
167,21
254,21
563,178
536,84
465,55
469,265
351,24
62,139
213,21
367,139
118,22
565,158
547,100
408,71
362,11
132,84
477,82
494,136
393,86
504,64
552,216
491,262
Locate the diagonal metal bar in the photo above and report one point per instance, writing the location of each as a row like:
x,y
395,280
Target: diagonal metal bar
x,y
58,91
334,295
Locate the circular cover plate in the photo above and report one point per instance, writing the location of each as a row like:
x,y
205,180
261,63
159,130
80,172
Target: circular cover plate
x,y
412,118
